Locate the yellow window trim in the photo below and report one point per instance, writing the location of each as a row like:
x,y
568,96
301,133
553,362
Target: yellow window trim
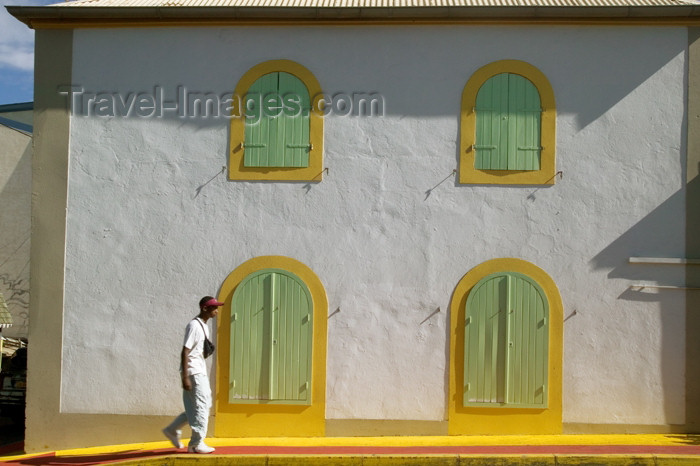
x,y
272,420
470,175
237,171
501,420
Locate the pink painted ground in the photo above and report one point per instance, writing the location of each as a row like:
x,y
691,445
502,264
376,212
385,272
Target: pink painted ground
x,y
52,459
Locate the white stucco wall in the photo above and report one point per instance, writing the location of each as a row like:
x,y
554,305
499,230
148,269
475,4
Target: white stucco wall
x,y
153,224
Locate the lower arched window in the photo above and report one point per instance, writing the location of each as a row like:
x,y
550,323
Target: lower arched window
x,y
506,339
271,339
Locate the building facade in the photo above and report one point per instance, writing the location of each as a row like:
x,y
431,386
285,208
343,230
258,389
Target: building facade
x,y
15,214
422,220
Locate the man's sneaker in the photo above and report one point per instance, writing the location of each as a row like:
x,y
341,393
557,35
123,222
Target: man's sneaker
x,y
174,437
202,448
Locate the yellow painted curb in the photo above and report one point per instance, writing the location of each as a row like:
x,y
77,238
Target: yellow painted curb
x,y
409,441
414,460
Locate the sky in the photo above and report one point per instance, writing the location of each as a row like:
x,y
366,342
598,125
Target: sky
x,y
16,55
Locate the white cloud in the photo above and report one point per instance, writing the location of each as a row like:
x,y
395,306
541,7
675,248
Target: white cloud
x,y
16,57
16,39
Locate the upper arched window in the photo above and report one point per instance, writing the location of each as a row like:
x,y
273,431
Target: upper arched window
x,y
508,126
276,134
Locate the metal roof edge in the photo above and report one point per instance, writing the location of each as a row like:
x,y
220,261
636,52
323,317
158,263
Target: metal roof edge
x,y
18,107
16,125
36,15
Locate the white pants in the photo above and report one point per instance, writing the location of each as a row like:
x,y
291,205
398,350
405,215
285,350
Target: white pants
x,y
197,406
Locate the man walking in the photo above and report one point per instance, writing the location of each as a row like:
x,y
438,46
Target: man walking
x,y
196,393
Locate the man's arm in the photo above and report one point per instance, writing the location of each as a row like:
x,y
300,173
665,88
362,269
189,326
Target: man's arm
x,y
186,383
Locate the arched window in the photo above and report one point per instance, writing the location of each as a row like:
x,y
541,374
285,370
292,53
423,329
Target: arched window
x,y
508,126
271,339
506,344
276,133
271,350
506,338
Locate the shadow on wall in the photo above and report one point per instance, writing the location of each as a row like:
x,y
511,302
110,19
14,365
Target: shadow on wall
x,y
362,68
15,225
614,77
661,234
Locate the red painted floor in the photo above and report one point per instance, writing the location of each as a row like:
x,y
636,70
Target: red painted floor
x,y
52,459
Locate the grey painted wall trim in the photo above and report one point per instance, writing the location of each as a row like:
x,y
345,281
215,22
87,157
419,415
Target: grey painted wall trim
x,y
692,235
53,63
47,427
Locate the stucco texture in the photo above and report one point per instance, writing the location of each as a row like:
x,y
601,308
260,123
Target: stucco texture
x,y
153,223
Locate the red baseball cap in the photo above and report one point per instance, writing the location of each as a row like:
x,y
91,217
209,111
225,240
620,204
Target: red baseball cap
x,y
212,302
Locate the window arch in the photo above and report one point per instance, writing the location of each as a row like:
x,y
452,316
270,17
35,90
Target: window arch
x,y
481,401
276,130
508,121
274,324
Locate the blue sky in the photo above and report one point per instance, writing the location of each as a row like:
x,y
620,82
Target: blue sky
x,y
16,55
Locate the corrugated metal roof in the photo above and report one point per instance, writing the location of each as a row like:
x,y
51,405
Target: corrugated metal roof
x,y
124,12
370,3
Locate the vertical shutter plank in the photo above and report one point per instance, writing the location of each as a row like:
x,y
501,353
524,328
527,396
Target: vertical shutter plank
x,y
304,124
273,120
490,344
484,136
273,361
542,352
262,335
500,372
532,356
481,354
515,322
293,333
305,347
471,346
499,160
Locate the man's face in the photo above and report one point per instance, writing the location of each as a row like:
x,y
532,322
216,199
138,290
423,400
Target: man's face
x,y
211,311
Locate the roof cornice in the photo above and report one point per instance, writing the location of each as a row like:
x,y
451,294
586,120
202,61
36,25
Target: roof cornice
x,y
98,16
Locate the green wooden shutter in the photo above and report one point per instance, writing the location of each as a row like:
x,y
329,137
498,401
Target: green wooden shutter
x,y
508,114
277,122
295,121
528,343
256,145
250,339
506,343
491,124
291,345
271,339
484,348
524,111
